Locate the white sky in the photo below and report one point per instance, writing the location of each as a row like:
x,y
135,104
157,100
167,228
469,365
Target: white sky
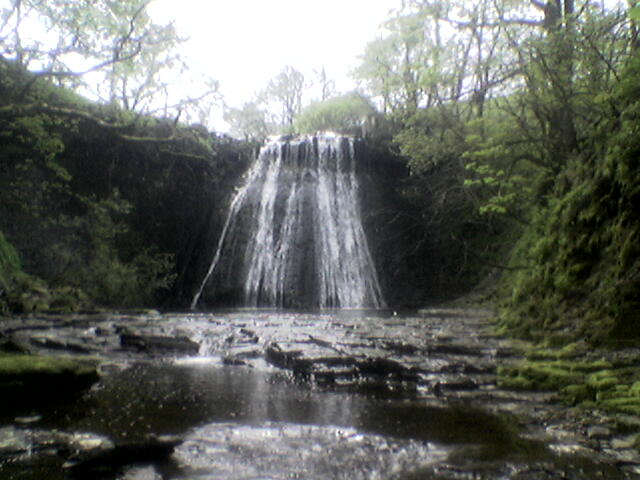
x,y
244,43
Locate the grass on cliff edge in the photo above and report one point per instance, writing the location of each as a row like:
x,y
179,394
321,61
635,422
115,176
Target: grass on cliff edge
x,y
610,383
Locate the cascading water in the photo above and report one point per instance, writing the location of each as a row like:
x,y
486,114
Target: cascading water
x,y
293,236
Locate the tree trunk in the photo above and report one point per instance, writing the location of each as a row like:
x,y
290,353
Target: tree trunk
x,y
559,22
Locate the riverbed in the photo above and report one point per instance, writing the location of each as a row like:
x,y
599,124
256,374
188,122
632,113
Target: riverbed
x,y
263,394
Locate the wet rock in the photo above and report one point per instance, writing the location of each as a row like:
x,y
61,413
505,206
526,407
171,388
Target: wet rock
x,y
251,335
51,344
159,344
598,432
81,443
24,445
401,348
28,420
387,367
141,473
283,450
628,422
290,360
455,385
468,368
233,360
13,441
455,349
98,462
628,442
446,357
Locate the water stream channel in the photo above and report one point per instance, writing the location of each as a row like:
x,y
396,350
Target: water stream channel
x,y
260,394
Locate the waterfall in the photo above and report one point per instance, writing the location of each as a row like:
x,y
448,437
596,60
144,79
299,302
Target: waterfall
x,y
293,236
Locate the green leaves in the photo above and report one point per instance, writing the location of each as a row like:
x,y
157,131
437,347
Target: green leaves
x,y
344,114
9,264
128,56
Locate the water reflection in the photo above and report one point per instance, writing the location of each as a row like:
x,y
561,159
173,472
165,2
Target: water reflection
x,y
240,423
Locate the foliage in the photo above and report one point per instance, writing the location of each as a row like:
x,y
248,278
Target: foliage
x,y
518,122
109,279
107,217
21,292
283,94
435,53
584,247
250,122
112,50
350,113
272,111
9,268
9,262
500,166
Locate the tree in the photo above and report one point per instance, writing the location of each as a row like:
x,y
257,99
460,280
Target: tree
x,y
327,86
89,36
435,53
283,94
250,122
390,67
111,49
351,113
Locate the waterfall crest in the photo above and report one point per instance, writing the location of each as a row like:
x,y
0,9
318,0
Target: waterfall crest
x,y
293,236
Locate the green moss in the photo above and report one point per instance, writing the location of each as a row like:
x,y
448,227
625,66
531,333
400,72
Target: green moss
x,y
568,351
12,366
9,268
516,382
602,380
543,375
27,380
9,262
577,394
589,384
630,405
539,376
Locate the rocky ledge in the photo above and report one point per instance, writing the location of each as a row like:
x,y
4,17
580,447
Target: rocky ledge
x,y
438,356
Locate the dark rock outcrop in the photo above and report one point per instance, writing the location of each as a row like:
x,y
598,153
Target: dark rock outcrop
x,y
159,344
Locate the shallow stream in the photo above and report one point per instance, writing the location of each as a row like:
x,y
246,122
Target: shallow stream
x,y
274,395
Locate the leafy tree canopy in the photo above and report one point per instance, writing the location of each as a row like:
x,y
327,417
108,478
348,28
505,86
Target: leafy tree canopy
x,y
111,50
348,113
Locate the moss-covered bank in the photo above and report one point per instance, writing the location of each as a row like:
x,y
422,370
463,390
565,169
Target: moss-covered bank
x,y
31,380
582,248
582,376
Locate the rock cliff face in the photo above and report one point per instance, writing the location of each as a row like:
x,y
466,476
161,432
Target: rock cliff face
x,y
294,236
